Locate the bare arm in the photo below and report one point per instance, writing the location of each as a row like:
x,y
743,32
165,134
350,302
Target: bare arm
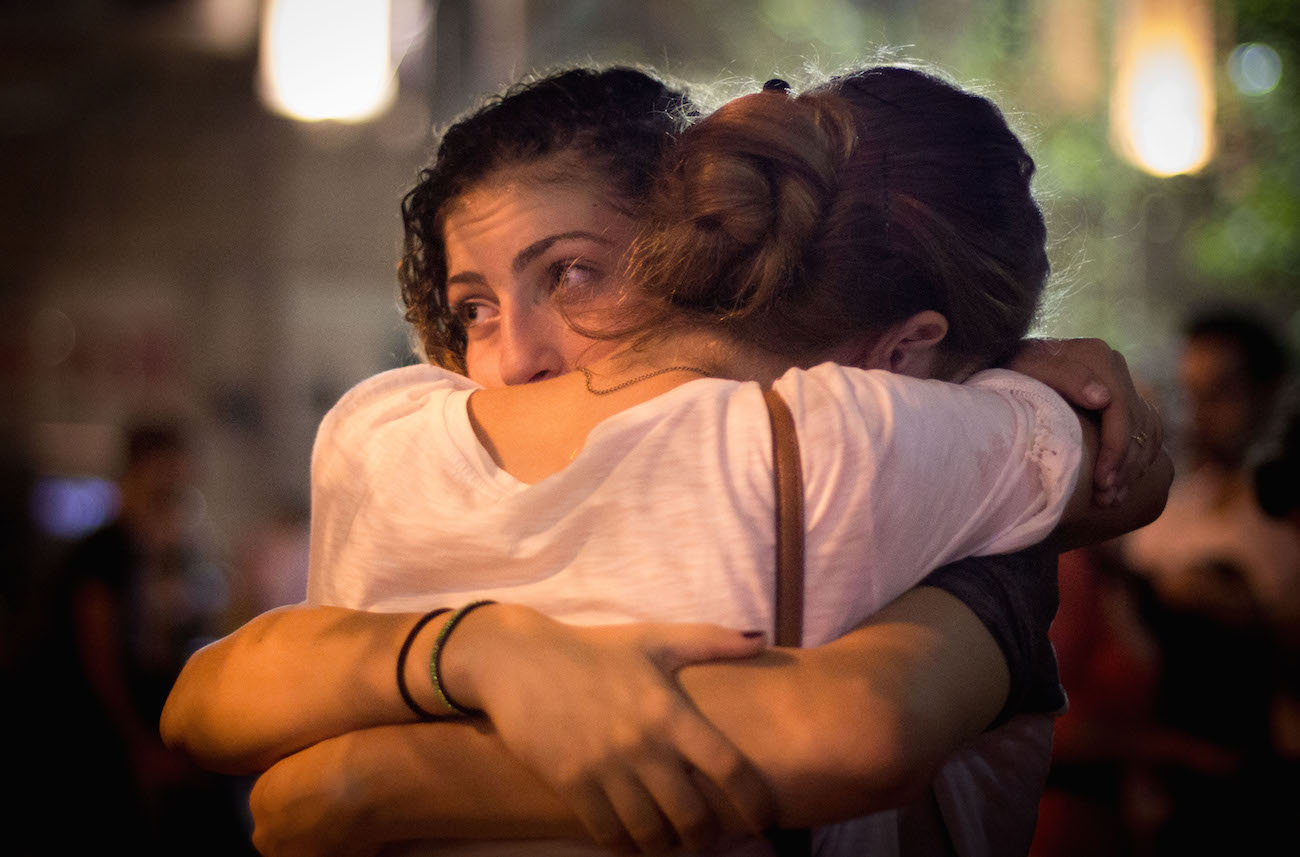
x,y
287,679
893,698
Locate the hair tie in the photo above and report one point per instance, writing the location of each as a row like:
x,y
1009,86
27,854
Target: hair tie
x,y
435,659
776,84
420,712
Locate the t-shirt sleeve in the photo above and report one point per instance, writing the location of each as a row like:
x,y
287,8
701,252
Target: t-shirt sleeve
x,y
365,441
904,475
1015,596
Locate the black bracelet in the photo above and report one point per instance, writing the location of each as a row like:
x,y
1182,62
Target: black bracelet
x,y
435,659
401,663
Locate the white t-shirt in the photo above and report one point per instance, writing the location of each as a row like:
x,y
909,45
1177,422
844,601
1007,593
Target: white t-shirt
x,y
667,512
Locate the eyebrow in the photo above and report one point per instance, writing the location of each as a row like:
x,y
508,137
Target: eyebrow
x,y
526,256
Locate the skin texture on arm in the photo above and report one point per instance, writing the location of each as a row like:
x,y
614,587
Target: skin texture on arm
x,y
924,673
286,679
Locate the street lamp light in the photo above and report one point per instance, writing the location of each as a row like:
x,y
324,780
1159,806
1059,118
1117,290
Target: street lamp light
x,y
1162,100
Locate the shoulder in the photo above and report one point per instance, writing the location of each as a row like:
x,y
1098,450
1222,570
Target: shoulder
x,y
389,396
386,413
409,383
870,399
1017,385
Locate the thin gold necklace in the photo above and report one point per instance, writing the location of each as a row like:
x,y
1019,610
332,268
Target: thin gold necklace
x,y
586,373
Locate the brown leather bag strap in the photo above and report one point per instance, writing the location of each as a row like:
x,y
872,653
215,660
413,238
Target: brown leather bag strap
x,y
788,476
789,522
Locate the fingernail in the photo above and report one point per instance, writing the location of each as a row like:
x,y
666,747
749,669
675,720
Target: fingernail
x,y
1096,393
1108,479
1120,495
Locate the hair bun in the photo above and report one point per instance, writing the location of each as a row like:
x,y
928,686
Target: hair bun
x,y
744,202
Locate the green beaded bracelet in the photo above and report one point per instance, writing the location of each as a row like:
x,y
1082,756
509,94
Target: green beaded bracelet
x,y
401,664
435,659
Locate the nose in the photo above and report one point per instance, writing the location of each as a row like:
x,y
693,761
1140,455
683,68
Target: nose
x,y
529,345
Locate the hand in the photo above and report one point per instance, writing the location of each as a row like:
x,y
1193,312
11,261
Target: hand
x,y
1091,375
596,714
303,806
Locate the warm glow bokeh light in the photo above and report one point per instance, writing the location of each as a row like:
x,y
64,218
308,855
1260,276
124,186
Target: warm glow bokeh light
x,y
1162,104
327,59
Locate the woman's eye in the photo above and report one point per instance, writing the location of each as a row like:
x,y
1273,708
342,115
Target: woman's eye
x,y
570,273
471,313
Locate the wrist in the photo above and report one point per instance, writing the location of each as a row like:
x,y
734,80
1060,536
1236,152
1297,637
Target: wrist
x,y
477,649
419,695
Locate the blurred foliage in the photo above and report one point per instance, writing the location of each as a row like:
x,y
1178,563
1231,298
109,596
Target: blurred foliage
x,y
1139,251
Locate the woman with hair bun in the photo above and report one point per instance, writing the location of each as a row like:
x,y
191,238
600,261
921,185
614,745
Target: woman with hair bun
x,y
786,233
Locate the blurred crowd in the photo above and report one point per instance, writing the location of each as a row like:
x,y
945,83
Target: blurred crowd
x,y
1179,645
95,628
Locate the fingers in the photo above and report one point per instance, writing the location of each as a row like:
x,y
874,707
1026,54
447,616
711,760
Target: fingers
x,y
1141,432
1116,443
639,813
604,825
1054,363
660,803
722,764
678,788
672,647
675,793
1147,439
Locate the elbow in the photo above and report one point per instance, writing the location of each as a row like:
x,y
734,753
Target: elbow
x,y
868,754
892,755
191,724
182,714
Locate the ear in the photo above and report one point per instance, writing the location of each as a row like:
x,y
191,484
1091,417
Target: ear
x,y
908,347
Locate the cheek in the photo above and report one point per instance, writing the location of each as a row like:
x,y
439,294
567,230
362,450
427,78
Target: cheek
x,y
482,365
566,348
578,350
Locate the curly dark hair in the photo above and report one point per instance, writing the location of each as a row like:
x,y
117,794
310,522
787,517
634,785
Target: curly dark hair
x,y
618,120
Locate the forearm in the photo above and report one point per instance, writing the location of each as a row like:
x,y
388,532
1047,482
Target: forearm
x,y
852,727
391,783
285,680
863,723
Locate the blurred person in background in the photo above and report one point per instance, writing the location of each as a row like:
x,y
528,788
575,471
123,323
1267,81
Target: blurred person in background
x,y
1177,644
141,594
1217,584
1277,486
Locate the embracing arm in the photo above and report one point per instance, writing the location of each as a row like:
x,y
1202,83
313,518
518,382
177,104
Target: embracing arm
x,y
890,701
286,679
